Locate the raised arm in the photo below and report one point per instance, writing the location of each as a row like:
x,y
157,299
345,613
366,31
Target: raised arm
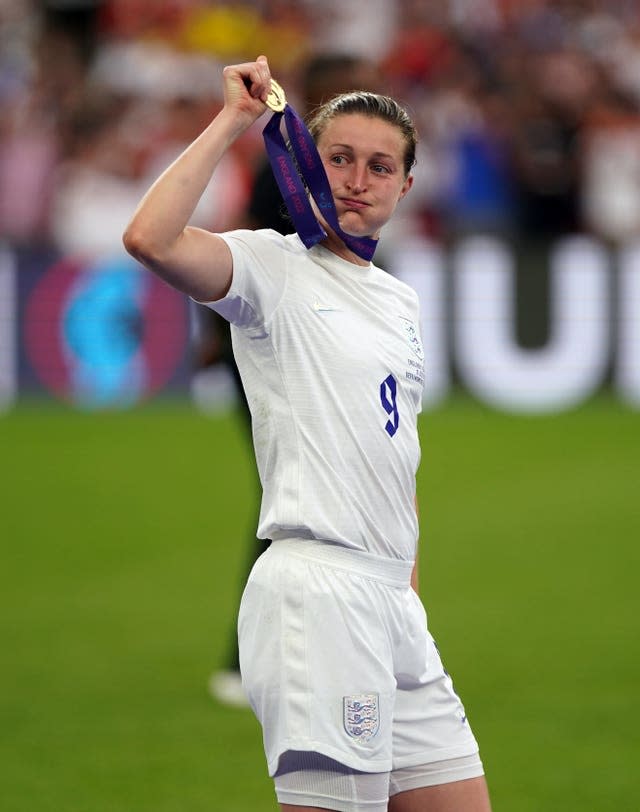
x,y
193,260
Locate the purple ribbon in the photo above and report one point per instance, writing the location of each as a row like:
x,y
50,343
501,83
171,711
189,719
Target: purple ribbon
x,y
299,172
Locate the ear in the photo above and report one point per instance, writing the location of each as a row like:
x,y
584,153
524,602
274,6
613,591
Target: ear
x,y
406,186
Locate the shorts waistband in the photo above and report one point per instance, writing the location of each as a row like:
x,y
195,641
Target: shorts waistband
x,y
391,571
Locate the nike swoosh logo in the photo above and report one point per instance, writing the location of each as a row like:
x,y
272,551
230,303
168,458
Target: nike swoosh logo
x,y
320,308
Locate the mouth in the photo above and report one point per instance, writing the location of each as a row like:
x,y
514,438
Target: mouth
x,y
355,205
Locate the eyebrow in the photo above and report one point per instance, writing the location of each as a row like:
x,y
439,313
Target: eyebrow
x,y
374,155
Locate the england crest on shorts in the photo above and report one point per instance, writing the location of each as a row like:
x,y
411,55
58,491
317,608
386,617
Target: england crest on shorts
x,y
362,716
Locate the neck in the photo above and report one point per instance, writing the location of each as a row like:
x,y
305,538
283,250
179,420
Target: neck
x,y
334,244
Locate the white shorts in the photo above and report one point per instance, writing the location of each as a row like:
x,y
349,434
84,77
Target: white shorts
x,y
336,659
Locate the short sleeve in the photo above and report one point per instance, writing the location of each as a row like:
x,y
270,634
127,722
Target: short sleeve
x,y
258,280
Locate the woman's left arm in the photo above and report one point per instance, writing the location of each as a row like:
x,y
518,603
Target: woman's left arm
x,y
414,572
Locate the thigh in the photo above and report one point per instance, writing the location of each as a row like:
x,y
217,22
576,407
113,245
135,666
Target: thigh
x,y
430,721
296,808
316,662
470,795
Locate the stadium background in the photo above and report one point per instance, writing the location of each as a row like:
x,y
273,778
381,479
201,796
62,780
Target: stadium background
x,y
126,477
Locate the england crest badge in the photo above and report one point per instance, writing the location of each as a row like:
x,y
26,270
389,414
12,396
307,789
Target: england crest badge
x,y
362,716
414,338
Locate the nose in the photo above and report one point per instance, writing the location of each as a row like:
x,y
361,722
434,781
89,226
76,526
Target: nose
x,y
357,182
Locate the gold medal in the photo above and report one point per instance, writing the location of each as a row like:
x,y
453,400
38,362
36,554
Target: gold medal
x,y
276,100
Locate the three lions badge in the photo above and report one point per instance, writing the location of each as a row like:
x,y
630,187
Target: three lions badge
x,y
361,716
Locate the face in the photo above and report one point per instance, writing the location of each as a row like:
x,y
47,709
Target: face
x,y
364,160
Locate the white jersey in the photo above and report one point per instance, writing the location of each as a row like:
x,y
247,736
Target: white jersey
x,y
332,364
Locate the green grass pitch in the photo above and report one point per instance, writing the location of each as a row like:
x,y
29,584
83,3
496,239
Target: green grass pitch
x,y
123,540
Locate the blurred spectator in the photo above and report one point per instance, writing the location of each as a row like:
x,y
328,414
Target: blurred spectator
x,y
97,184
43,64
611,167
361,28
132,19
550,113
280,28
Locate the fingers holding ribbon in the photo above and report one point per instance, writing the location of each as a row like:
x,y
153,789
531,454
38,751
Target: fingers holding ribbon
x,y
258,79
247,83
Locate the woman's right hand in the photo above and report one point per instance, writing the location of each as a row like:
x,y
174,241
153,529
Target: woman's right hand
x,y
246,88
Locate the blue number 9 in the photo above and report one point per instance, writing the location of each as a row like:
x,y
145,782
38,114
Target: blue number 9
x,y
388,393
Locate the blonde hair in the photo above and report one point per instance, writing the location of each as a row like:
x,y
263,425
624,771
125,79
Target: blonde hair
x,y
370,104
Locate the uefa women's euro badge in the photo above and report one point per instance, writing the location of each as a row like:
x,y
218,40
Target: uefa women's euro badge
x,y
276,100
362,716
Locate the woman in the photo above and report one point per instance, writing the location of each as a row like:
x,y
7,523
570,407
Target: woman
x,y
356,709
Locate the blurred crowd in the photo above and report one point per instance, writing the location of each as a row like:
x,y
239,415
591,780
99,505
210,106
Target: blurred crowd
x,y
529,110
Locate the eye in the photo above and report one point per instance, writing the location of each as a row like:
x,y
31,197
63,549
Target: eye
x,y
338,160
380,169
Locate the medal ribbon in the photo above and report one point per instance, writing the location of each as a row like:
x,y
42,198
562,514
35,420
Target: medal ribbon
x,y
299,172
